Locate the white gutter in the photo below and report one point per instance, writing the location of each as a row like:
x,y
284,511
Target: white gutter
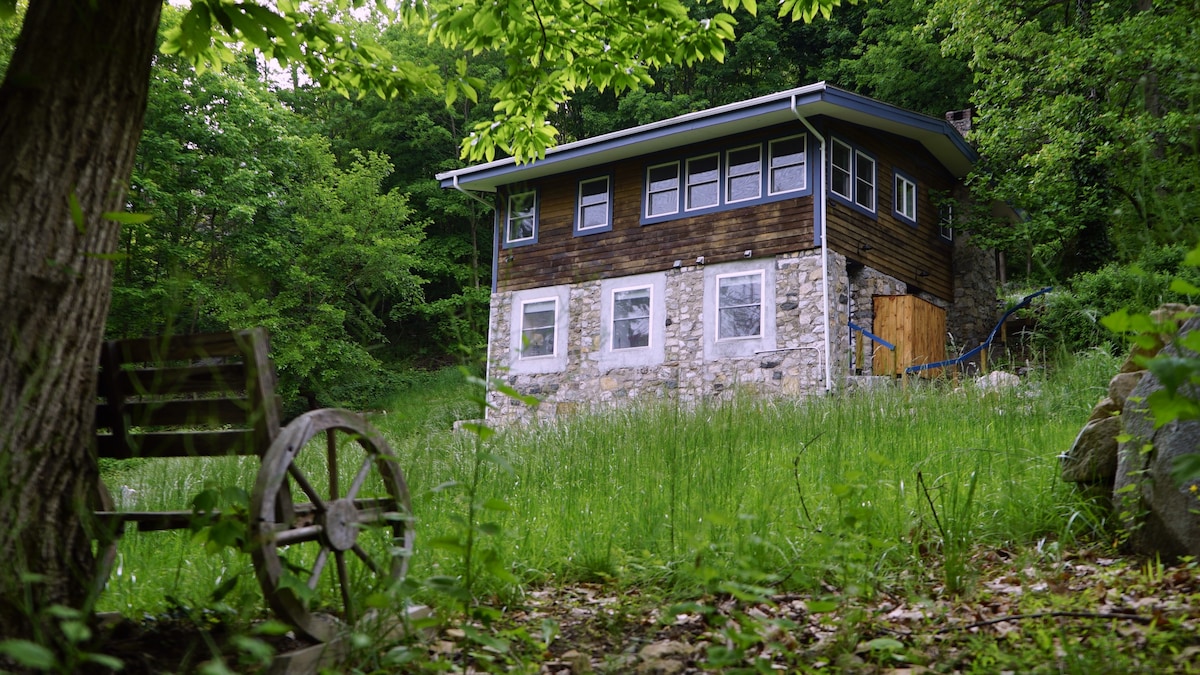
x,y
820,193
487,353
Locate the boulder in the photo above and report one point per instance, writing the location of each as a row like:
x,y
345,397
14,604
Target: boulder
x,y
1121,384
1161,516
1093,457
1104,409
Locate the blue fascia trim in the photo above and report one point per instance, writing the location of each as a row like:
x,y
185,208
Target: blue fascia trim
x,y
774,103
611,196
887,111
897,174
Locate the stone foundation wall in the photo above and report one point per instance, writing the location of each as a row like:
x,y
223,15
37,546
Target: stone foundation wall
x,y
787,361
976,309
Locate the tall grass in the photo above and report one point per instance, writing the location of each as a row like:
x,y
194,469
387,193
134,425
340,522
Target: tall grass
x,y
799,493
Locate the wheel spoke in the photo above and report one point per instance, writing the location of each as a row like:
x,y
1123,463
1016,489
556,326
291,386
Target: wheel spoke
x,y
298,535
302,481
359,478
358,551
318,567
331,460
344,582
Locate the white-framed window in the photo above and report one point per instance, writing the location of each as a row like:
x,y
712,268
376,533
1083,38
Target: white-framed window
x,y
662,190
841,157
538,321
739,306
788,160
743,174
852,175
946,221
703,182
864,180
593,212
904,196
520,218
631,317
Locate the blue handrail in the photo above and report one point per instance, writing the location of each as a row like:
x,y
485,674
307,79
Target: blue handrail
x,y
986,343
872,336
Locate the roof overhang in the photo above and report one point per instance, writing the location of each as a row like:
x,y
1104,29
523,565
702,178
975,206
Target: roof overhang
x,y
937,135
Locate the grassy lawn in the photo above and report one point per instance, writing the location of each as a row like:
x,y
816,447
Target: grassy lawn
x,y
829,534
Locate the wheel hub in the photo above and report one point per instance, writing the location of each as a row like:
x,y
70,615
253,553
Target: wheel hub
x,y
340,525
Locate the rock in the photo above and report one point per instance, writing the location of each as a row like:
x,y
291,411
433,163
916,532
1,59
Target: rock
x,y
1104,409
579,663
997,380
1093,457
1157,513
660,667
1120,386
666,648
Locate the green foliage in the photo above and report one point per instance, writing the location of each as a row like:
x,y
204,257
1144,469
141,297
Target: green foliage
x,y
1087,118
1179,399
1072,316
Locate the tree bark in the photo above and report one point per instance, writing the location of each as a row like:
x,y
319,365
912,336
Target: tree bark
x,y
71,111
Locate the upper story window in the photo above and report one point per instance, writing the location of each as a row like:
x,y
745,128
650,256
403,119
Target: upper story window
x,y
946,221
743,174
905,198
520,219
662,190
631,318
538,319
739,305
788,164
772,170
852,175
703,182
593,213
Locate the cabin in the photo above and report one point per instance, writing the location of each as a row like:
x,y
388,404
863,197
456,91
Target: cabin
x,y
772,245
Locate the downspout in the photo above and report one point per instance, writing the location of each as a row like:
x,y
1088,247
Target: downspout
x,y
819,222
487,360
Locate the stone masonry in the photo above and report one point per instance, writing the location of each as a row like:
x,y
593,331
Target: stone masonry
x,y
789,361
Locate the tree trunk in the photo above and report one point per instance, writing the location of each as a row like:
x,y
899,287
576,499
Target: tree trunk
x,y
71,110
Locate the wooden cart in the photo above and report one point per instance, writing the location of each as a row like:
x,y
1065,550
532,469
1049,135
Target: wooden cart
x,y
340,528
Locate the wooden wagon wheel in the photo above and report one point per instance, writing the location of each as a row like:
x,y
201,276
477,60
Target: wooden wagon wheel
x,y
355,536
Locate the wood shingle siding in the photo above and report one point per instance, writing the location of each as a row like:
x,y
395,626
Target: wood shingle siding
x,y
918,256
561,257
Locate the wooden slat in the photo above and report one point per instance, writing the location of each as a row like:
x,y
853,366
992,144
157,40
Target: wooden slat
x,y
181,347
196,379
177,444
201,413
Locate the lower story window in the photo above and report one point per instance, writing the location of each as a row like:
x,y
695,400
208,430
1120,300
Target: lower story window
x,y
631,318
537,328
739,306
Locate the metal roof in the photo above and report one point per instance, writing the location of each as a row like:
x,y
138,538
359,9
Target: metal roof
x,y
937,135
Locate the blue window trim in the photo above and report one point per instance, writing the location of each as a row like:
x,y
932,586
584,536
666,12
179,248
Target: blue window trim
x,y
721,205
946,221
578,220
852,202
767,167
897,176
679,188
507,196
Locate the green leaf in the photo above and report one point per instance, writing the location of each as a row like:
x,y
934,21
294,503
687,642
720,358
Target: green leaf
x,y
494,504
76,212
28,654
8,9
271,627
126,218
1184,287
105,661
822,606
449,543
490,529
885,644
